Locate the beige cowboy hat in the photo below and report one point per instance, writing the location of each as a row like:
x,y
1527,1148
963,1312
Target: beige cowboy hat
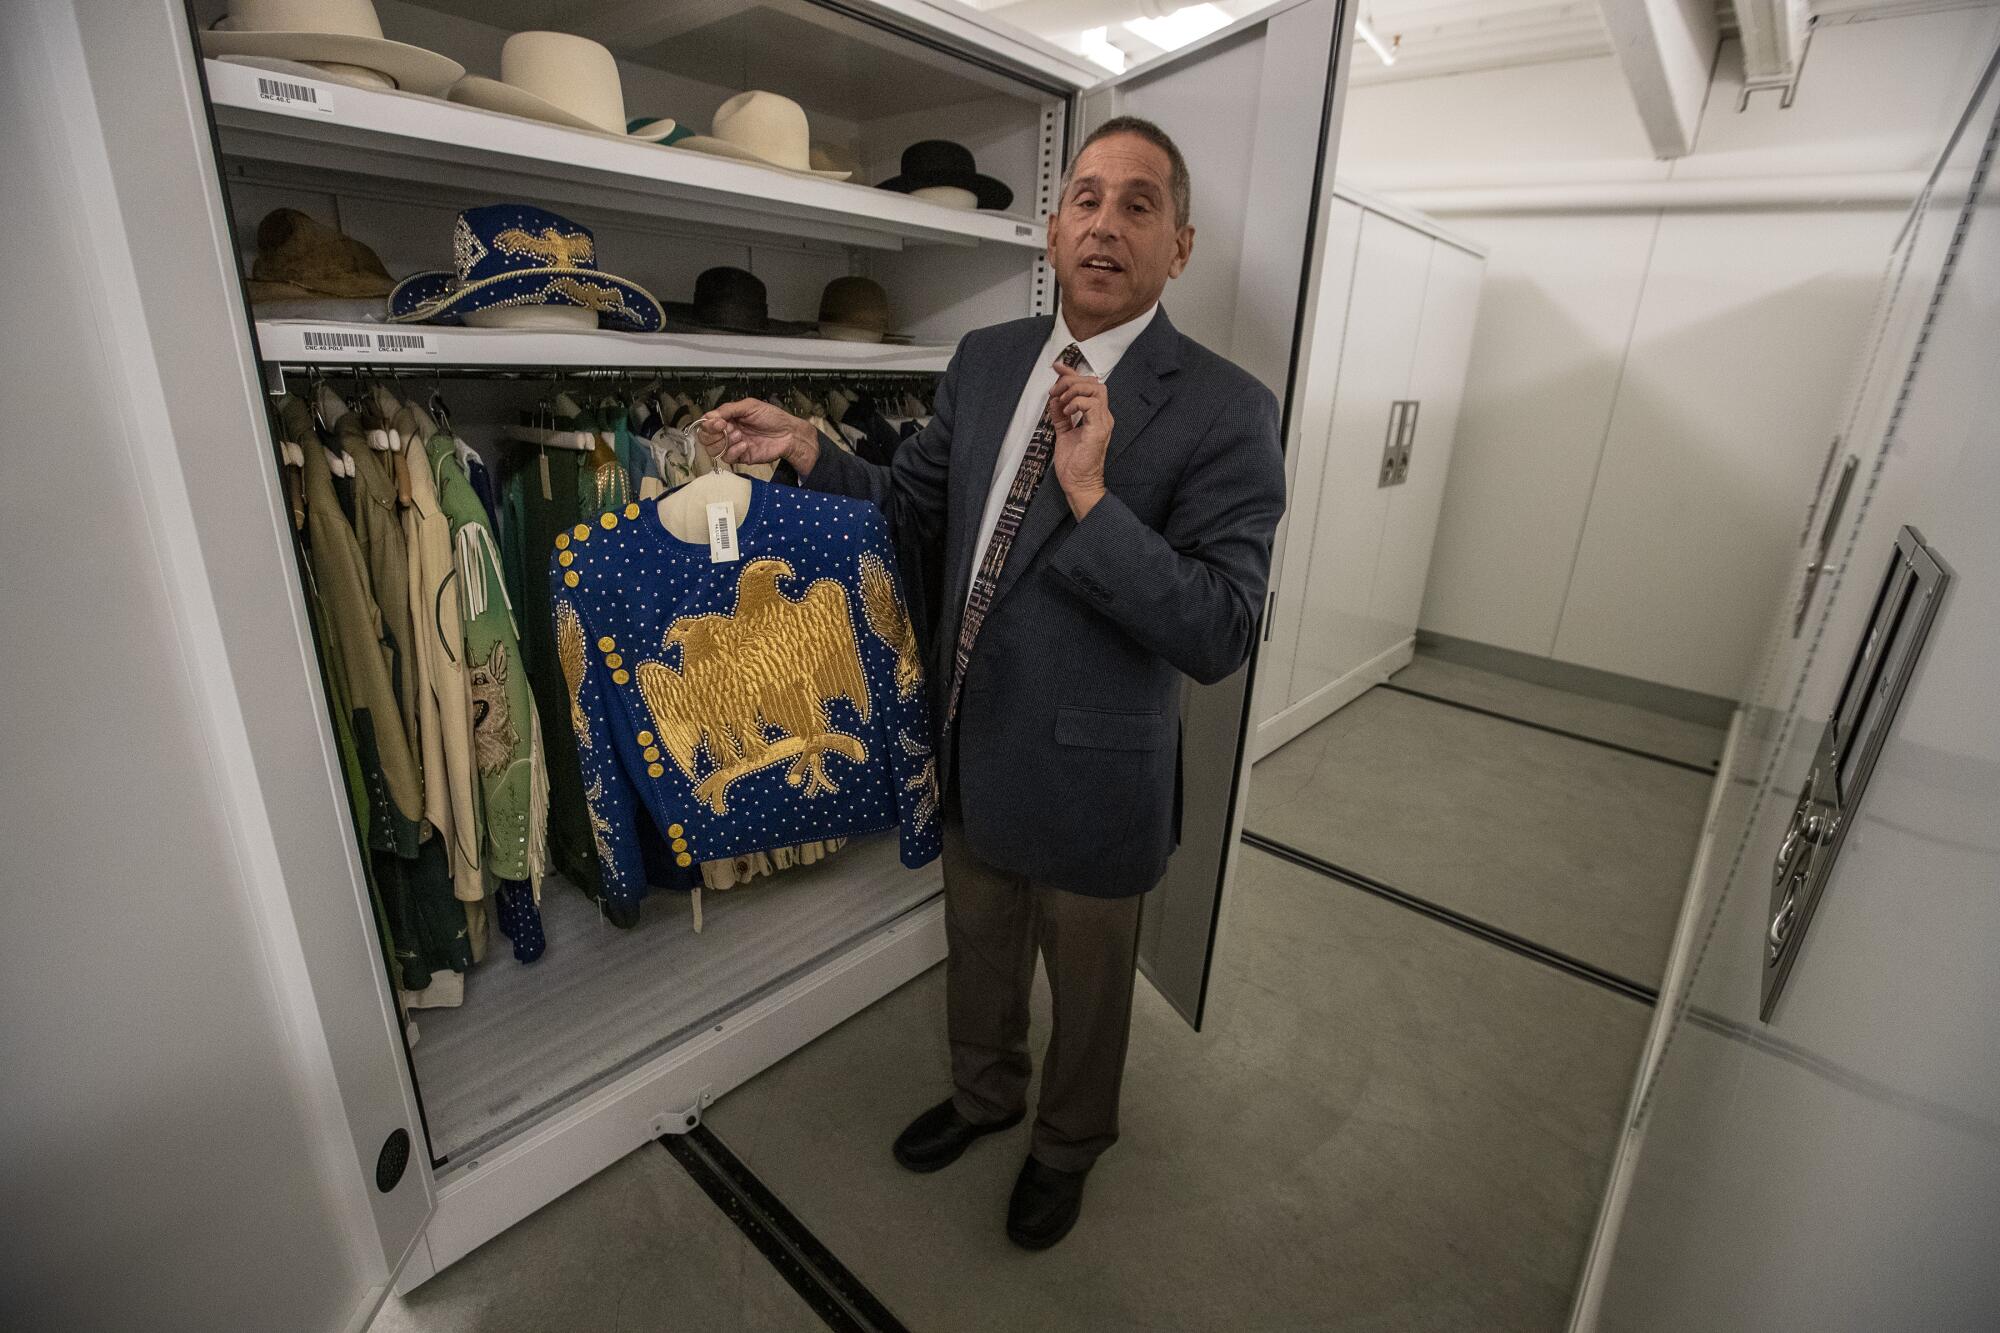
x,y
300,258
342,39
559,78
763,128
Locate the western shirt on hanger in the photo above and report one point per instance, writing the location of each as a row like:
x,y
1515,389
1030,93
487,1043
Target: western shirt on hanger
x,y
444,687
506,735
763,702
407,868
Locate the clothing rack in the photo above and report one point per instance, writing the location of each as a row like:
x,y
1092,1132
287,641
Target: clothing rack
x,y
276,373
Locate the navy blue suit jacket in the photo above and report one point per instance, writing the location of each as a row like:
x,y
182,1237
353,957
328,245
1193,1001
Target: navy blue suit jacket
x,y
1068,749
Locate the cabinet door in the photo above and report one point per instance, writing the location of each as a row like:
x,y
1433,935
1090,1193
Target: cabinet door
x,y
1790,1167
1305,453
216,1123
1339,630
1251,108
1437,385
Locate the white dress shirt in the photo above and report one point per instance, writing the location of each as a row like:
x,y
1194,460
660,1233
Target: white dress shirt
x,y
1101,356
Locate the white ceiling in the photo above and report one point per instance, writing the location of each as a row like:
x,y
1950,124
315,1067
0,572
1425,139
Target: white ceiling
x,y
1435,37
1453,36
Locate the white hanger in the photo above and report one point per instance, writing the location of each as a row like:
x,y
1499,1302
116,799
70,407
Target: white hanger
x,y
388,404
683,511
580,440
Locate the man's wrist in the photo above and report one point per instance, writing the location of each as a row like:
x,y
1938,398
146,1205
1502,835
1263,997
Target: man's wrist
x,y
1083,497
804,450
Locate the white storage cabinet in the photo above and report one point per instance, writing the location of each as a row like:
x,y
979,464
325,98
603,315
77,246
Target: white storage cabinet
x,y
1391,331
173,160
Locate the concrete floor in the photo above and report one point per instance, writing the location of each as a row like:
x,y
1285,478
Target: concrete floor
x,y
1620,724
1386,1125
1577,847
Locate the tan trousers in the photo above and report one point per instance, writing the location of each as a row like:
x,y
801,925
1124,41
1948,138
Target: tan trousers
x,y
994,924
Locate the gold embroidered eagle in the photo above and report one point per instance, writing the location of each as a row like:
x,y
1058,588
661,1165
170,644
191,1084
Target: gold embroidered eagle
x,y
883,606
569,651
556,249
771,664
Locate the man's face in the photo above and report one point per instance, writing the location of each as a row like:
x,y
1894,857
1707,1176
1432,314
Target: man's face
x,y
1113,241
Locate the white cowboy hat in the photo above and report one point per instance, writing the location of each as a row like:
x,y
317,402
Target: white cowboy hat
x,y
763,128
330,34
559,78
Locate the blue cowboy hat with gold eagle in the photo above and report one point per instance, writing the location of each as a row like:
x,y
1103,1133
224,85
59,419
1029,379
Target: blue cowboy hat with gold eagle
x,y
512,255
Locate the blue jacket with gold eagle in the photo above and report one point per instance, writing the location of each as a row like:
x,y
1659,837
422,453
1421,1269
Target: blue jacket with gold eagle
x,y
771,700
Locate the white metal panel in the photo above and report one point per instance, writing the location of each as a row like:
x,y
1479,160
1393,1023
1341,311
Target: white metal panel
x,y
317,342
1437,383
1398,209
396,136
1742,322
1252,109
1839,1167
1543,376
1908,284
201,1022
1305,457
1338,629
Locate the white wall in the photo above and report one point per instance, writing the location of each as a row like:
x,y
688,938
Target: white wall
x,y
166,1132
1651,393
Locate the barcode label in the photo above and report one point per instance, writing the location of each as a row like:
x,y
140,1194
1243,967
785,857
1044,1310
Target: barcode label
x,y
286,93
721,533
405,342
335,340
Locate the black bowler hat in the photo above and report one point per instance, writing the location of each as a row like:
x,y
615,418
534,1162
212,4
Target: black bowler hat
x,y
936,162
728,300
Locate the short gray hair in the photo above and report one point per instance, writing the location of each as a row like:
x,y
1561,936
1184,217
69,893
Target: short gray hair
x,y
1178,179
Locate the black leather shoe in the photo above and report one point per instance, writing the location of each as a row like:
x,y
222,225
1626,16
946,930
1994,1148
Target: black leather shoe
x,y
936,1138
1045,1205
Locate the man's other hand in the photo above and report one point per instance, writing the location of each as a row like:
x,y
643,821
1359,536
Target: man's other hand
x,y
750,431
1081,411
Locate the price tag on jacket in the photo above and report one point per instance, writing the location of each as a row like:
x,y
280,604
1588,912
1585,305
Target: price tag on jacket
x,y
721,533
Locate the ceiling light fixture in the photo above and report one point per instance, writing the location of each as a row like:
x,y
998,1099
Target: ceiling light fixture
x,y
1095,44
1177,29
1386,52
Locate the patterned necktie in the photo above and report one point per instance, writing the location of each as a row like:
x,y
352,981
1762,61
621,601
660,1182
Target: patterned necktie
x,y
980,600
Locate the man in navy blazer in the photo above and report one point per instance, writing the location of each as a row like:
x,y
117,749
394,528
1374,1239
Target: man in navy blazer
x,y
1105,529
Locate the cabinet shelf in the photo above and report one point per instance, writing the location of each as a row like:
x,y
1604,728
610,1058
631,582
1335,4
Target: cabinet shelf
x,y
325,343
403,137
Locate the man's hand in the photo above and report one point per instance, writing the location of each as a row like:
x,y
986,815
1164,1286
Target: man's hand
x,y
1081,411
749,431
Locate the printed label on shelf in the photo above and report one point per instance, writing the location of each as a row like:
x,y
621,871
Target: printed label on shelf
x,y
417,343
283,92
721,533
335,340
